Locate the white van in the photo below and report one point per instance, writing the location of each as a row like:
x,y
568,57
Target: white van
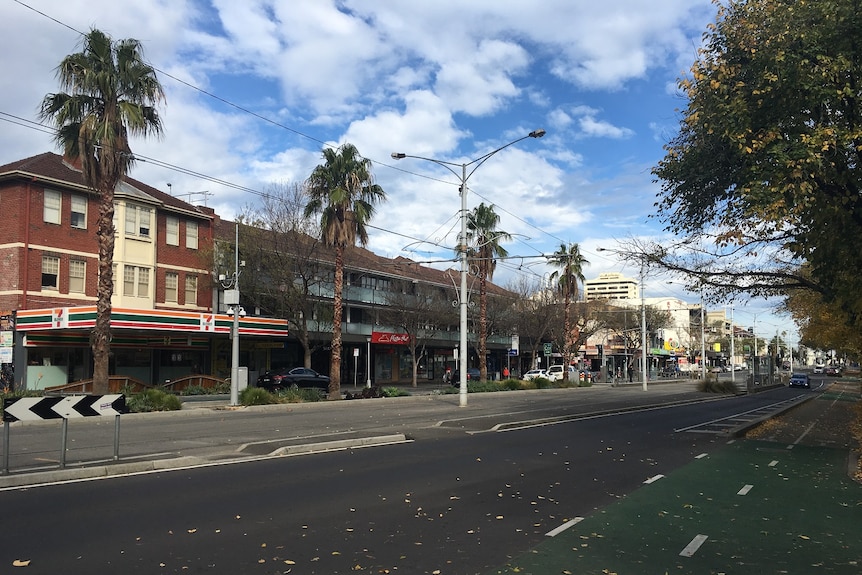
x,y
555,372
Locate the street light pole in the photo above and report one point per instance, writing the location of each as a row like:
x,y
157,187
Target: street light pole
x,y
732,348
702,339
231,299
644,374
643,331
463,176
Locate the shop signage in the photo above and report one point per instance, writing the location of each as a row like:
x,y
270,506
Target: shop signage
x,y
390,338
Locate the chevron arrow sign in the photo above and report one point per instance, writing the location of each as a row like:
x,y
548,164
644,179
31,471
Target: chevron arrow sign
x,y
37,408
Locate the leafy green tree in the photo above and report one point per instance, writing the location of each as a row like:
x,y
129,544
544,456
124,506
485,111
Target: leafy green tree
x,y
484,248
570,263
110,94
766,162
343,192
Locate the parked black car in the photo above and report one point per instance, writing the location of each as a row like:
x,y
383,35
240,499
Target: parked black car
x,y
297,376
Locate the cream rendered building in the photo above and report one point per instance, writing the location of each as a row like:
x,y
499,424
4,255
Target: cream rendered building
x,y
611,286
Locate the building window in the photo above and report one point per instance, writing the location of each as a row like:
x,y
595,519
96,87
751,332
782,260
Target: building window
x,y
79,212
50,272
172,233
77,273
51,207
191,290
172,280
138,221
192,235
136,281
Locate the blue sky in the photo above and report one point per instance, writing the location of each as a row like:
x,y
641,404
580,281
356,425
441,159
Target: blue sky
x,y
444,79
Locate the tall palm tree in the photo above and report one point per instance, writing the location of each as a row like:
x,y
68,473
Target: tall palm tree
x,y
484,240
110,94
570,261
343,192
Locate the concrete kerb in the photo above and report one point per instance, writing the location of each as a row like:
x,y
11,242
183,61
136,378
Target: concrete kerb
x,y
741,430
134,467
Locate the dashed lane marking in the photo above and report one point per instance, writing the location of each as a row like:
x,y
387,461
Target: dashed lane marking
x,y
563,527
693,546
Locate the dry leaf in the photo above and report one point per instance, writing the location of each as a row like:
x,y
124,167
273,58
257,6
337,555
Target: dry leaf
x,y
21,563
192,530
289,562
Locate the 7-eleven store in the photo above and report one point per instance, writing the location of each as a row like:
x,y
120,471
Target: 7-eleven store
x,y
52,346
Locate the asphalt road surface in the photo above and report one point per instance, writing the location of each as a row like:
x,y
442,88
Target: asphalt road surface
x,y
470,491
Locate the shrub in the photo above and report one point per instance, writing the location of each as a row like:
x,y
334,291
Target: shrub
x,y
295,394
153,400
542,382
713,385
196,390
394,392
511,384
256,396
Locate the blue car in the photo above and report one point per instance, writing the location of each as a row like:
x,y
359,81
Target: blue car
x,y
799,380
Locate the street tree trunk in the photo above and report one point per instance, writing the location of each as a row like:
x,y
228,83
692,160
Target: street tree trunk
x,y
100,338
335,361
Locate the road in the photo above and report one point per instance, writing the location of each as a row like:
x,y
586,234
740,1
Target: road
x,y
473,489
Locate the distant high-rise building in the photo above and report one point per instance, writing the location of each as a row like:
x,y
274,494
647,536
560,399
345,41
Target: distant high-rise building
x,y
611,286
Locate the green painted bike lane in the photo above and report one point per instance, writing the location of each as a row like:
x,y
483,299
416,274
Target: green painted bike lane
x,y
753,507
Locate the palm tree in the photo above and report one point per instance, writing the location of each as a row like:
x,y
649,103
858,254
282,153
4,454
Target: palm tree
x,y
484,239
571,263
343,192
111,93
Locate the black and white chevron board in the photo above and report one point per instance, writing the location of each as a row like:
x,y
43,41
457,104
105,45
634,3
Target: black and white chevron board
x,y
64,409
70,407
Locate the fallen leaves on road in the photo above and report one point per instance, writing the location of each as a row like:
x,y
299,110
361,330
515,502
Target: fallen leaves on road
x,y
21,563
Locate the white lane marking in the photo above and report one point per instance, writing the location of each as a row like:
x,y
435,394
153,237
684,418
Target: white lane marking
x,y
563,527
701,456
692,547
745,490
653,479
773,463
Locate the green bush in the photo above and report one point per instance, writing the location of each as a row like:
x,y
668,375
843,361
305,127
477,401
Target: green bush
x,y
256,396
713,385
542,382
153,400
393,392
512,384
196,390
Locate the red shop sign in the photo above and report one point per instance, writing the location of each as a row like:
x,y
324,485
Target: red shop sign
x,y
390,338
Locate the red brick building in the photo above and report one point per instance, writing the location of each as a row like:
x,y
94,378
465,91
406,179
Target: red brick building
x,y
162,319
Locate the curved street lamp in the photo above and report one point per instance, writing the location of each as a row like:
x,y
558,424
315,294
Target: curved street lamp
x,y
463,176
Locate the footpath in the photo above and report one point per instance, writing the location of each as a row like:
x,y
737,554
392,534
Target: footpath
x,y
781,499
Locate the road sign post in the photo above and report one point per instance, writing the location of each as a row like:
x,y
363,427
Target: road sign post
x,y
65,408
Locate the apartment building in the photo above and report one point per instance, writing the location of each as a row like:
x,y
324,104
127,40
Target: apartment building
x,y
611,286
162,320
